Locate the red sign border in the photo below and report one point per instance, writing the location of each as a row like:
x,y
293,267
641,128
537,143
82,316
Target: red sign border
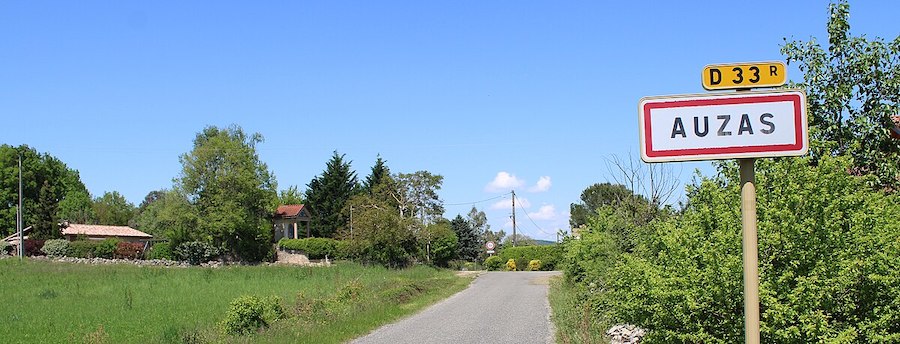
x,y
797,148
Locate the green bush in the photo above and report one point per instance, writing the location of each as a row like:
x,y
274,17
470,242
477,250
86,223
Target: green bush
x,y
511,265
196,252
82,248
56,248
828,248
247,314
106,248
4,247
493,263
549,255
534,265
161,250
314,248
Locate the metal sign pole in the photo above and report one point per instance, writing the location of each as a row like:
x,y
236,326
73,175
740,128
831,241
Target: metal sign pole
x,y
751,260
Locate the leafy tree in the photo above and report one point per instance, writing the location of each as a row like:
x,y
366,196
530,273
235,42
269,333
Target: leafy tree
x,y
595,196
853,89
379,234
418,192
290,196
231,190
170,216
47,182
469,241
521,240
442,242
328,193
77,207
113,209
376,176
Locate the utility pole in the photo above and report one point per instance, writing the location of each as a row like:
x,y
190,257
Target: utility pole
x,y
351,222
19,212
515,238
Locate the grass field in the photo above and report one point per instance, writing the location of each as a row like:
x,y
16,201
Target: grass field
x,y
571,317
49,302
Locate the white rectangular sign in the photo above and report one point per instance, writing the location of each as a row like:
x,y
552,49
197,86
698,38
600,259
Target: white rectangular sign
x,y
723,126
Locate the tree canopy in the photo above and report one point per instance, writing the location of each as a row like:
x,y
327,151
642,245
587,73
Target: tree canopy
x,y
328,193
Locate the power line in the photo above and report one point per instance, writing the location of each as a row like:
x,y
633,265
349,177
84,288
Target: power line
x,y
476,202
535,224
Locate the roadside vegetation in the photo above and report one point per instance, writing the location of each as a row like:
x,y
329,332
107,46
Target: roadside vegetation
x,y
50,302
829,239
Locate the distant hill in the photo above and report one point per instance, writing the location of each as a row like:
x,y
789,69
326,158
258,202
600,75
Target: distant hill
x,y
544,242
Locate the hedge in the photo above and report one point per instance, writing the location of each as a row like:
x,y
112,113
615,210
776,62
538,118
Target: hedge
x,y
315,248
549,255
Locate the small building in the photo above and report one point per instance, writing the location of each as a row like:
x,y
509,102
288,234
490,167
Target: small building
x,y
72,231
291,221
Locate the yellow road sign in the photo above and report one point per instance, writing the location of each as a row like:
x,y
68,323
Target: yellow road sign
x,y
744,75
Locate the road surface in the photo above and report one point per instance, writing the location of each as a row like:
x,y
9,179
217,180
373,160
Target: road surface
x,y
499,307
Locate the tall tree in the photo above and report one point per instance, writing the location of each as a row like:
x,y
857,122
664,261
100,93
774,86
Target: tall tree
x,y
418,192
376,176
46,181
595,196
853,89
169,216
231,190
77,207
291,195
328,193
469,241
113,209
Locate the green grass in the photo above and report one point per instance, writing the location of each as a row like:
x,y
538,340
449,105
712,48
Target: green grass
x,y
572,316
49,302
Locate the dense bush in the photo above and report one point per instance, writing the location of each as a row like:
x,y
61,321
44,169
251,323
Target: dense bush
x,y
549,255
247,314
534,265
56,248
511,265
314,248
106,248
161,250
4,247
196,252
82,248
828,248
493,263
33,247
129,250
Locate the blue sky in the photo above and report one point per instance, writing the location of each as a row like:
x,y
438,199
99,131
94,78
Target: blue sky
x,y
493,95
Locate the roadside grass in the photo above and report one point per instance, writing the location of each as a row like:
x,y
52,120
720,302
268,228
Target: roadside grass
x,y
572,316
51,302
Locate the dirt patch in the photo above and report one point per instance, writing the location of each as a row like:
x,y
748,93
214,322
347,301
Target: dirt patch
x,y
470,274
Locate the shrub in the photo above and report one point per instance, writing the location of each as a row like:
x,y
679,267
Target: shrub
x,y
247,314
314,248
56,248
82,248
4,247
511,265
33,247
129,250
161,250
196,252
549,255
493,263
106,248
534,265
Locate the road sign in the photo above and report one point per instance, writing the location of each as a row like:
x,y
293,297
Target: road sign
x,y
715,126
489,245
744,75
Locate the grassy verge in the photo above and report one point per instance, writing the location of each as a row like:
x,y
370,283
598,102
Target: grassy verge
x,y
572,316
48,302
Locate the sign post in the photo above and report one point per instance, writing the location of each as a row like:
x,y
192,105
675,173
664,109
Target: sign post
x,y
744,125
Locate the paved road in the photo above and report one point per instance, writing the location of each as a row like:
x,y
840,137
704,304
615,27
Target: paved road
x,y
499,307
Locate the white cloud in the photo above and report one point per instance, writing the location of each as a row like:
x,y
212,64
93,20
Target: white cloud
x,y
543,184
546,212
504,182
506,204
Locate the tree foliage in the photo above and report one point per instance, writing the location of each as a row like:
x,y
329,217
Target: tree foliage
x,y
328,193
231,191
47,183
853,89
170,216
112,209
469,240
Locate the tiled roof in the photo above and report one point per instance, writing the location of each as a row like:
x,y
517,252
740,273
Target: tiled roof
x,y
288,210
895,131
107,231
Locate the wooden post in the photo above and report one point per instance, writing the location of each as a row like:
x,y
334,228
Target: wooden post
x,y
751,260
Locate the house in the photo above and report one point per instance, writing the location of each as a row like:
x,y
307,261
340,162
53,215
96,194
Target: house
x,y
291,221
72,231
